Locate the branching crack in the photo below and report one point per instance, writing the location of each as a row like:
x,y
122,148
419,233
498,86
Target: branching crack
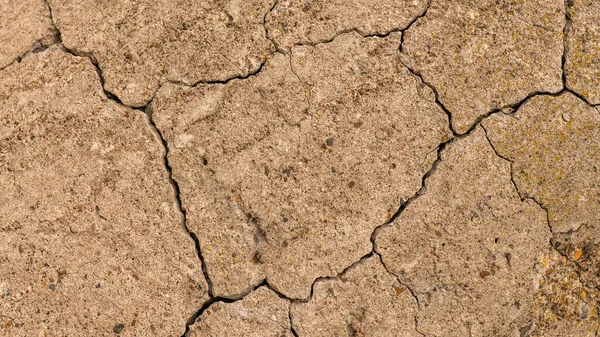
x,y
521,195
220,299
566,29
358,31
412,292
38,46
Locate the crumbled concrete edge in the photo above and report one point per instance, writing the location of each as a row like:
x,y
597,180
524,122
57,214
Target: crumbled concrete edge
x,y
147,109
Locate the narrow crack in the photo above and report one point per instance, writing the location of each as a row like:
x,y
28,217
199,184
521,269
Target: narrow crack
x,y
552,242
182,210
522,196
37,47
435,93
412,293
267,35
566,28
410,24
360,32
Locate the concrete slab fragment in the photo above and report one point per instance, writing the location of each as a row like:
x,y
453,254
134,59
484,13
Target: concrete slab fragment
x,y
467,245
484,55
285,175
141,44
92,239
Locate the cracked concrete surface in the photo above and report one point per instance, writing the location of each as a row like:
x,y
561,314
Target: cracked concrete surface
x,y
299,168
297,196
467,239
24,26
486,54
91,234
140,45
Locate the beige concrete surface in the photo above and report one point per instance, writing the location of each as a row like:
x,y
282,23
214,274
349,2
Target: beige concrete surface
x,y
24,26
261,313
91,234
286,174
300,168
582,67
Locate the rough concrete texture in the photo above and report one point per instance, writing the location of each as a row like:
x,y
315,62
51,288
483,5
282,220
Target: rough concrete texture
x,y
553,144
280,177
24,26
293,22
299,168
261,313
92,239
564,304
486,54
142,44
582,67
365,301
466,247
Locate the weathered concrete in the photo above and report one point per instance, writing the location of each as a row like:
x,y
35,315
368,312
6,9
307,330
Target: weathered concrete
x,y
486,54
285,175
92,239
142,44
24,26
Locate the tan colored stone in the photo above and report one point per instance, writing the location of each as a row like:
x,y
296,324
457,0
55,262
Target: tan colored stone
x,y
286,176
261,313
293,22
467,245
24,26
365,301
90,231
486,54
141,44
554,143
582,66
